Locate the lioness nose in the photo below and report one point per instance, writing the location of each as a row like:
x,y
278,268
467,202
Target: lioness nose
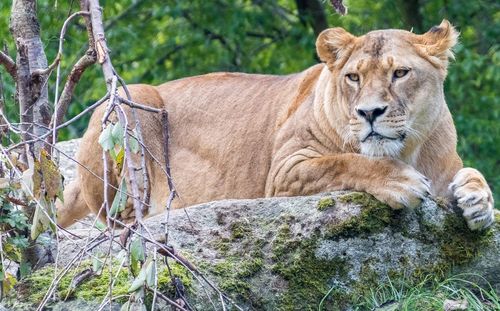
x,y
371,115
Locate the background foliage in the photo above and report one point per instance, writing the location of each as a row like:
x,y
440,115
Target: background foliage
x,y
156,41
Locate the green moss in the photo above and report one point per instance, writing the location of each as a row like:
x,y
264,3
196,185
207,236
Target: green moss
x,y
325,203
307,277
235,273
223,245
178,271
374,216
458,244
32,289
240,229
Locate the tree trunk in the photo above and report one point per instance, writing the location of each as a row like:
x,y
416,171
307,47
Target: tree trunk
x,y
32,94
311,12
31,86
411,14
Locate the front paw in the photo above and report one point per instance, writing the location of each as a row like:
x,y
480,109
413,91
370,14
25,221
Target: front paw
x,y
473,196
403,187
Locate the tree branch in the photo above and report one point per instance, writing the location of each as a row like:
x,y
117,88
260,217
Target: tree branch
x,y
9,64
74,76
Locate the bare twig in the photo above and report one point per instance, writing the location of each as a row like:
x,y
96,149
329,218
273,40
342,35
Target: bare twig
x,y
87,62
166,140
73,78
130,165
133,104
42,137
169,301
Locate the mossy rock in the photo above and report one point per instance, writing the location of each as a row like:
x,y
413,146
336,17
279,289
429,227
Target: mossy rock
x,y
29,292
290,254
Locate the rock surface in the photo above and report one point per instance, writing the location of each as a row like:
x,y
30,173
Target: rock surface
x,y
329,249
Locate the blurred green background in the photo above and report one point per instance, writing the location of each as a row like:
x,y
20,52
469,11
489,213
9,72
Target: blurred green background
x,y
156,41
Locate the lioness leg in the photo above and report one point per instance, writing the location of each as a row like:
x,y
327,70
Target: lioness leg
x,y
390,181
74,206
473,195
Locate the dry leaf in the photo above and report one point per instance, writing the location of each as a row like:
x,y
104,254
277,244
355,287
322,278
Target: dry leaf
x,y
52,179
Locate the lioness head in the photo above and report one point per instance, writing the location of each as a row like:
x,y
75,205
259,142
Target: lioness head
x,y
389,83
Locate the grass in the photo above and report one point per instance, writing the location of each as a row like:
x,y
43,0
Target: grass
x,y
431,294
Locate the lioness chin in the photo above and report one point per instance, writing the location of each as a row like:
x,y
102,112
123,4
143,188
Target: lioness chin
x,y
371,118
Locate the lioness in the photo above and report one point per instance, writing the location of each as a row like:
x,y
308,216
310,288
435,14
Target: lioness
x,y
371,118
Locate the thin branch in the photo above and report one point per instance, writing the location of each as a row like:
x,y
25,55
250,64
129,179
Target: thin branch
x,y
83,63
58,74
9,64
133,104
168,300
42,137
171,188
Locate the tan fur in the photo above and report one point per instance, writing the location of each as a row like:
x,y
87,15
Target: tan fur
x,y
246,136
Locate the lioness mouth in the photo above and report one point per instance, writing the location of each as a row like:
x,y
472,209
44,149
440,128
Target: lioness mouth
x,y
376,136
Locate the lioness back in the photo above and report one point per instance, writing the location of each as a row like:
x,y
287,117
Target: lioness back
x,y
222,128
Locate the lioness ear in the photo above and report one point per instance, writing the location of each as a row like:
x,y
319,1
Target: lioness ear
x,y
333,44
439,41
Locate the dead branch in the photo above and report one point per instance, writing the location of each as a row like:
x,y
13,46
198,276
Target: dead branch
x,y
9,64
74,76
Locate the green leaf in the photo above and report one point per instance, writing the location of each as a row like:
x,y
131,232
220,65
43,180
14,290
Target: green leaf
x,y
97,264
14,218
136,255
117,134
106,139
24,269
119,158
40,220
18,242
100,226
137,250
150,272
133,143
120,200
8,282
139,280
112,153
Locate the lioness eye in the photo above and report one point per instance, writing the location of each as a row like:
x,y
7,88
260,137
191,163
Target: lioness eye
x,y
399,73
353,77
